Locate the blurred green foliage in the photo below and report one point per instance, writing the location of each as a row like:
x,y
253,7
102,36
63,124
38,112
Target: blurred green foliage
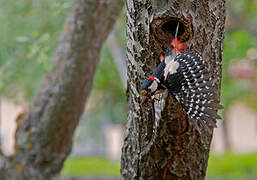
x,y
28,35
236,45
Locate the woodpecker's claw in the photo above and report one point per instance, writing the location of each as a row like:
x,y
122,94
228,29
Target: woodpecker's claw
x,y
152,97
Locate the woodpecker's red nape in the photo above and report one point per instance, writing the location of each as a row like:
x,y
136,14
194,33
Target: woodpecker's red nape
x,y
152,78
178,46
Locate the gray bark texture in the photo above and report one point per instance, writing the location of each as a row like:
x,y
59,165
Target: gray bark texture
x,y
44,135
160,143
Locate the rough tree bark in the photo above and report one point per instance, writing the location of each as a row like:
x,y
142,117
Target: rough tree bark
x,y
44,135
162,144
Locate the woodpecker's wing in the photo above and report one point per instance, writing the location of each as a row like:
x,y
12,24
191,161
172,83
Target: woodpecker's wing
x,y
192,85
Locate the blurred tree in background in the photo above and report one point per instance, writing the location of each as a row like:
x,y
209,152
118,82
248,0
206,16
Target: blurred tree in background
x,y
43,135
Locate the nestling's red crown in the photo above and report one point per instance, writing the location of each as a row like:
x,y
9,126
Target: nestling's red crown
x,y
178,46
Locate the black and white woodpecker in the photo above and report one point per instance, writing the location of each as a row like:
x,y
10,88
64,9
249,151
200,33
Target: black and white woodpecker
x,y
185,76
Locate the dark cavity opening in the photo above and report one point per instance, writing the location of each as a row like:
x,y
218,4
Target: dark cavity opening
x,y
171,26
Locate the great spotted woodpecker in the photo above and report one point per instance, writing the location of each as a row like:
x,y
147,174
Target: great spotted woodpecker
x,y
186,78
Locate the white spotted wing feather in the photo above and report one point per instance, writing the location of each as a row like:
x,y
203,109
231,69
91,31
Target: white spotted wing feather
x,y
197,93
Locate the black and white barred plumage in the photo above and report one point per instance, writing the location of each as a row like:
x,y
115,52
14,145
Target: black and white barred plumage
x,y
187,78
193,87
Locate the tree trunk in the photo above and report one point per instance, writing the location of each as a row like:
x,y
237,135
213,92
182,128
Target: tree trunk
x,y
160,143
44,135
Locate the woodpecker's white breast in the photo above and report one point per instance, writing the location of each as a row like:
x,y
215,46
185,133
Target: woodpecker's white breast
x,y
171,68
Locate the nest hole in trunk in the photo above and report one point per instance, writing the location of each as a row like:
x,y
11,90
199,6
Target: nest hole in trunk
x,y
170,27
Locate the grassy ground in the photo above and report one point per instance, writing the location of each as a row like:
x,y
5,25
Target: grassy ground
x,y
228,166
234,167
91,167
